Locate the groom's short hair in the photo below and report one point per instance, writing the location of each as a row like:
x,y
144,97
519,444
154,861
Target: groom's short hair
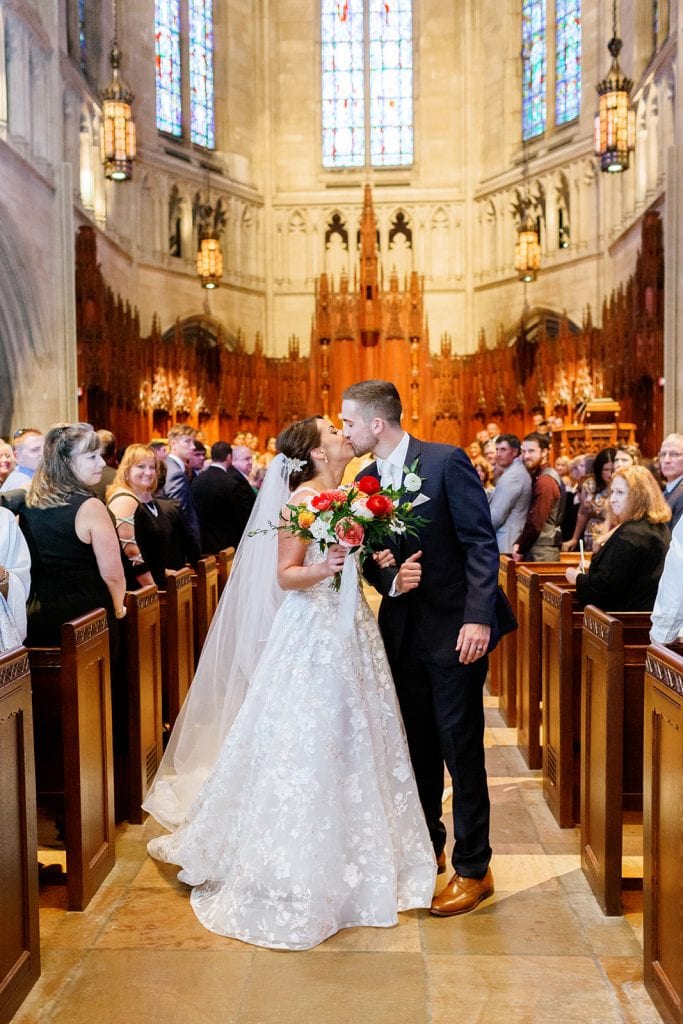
x,y
378,398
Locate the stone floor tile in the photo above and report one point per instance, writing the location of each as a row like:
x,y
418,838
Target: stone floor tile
x,y
403,938
625,975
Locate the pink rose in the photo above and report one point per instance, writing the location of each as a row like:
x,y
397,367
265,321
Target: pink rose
x,y
349,534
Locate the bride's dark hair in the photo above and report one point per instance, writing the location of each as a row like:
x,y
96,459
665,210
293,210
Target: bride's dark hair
x,y
297,441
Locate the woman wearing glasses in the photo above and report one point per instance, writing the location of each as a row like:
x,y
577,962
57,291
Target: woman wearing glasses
x,y
75,557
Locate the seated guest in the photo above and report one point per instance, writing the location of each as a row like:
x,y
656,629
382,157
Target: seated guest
x,y
667,614
671,468
6,461
624,573
15,577
153,533
28,451
75,556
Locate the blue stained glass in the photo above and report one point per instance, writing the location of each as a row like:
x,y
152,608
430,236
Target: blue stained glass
x,y
343,84
202,117
167,57
82,46
567,60
534,68
390,50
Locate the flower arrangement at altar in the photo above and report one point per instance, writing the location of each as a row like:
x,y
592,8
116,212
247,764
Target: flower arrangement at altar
x,y
361,516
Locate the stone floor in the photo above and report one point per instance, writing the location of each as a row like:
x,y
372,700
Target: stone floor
x,y
539,951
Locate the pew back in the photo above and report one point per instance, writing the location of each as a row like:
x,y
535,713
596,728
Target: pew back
x,y
225,560
205,597
19,936
177,641
505,655
612,668
663,831
562,620
143,684
73,683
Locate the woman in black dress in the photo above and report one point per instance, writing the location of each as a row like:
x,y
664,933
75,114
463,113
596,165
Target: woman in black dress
x,y
624,573
152,531
75,558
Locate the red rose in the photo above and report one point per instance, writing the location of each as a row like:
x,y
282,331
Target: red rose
x,y
349,533
380,505
322,501
339,495
368,485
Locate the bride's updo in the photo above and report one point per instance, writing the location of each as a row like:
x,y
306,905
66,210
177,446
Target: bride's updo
x,y
297,441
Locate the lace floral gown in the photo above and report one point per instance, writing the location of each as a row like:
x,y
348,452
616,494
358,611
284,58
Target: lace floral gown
x,y
310,821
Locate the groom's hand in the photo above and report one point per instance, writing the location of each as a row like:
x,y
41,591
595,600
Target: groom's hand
x,y
473,642
409,575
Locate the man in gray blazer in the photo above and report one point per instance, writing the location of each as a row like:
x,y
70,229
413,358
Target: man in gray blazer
x,y
512,494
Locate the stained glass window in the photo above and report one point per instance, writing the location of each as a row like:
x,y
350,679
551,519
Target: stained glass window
x,y
534,68
367,83
343,83
82,46
202,127
567,60
390,51
167,55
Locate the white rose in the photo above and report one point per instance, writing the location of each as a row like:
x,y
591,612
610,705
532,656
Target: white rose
x,y
320,530
412,482
360,509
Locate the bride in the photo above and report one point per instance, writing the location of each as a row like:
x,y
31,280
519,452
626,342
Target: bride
x,y
286,785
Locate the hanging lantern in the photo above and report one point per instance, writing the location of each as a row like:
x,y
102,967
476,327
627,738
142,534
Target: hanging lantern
x,y
615,121
209,259
117,134
528,249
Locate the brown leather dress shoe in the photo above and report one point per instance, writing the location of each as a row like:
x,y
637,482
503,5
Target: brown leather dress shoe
x,y
441,863
462,894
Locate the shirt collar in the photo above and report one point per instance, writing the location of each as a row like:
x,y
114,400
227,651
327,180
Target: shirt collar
x,y
398,456
672,485
25,470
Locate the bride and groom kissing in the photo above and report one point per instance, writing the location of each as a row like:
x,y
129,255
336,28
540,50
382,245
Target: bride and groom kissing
x,y
294,805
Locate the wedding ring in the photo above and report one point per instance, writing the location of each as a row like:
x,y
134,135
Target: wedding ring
x,y
480,648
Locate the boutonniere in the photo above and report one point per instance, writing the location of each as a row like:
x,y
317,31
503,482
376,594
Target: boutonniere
x,y
412,484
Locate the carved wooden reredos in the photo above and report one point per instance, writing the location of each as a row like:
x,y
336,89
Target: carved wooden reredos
x,y
139,386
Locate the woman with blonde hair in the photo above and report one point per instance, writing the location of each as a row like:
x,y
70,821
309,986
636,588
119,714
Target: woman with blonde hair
x,y
152,531
624,573
75,559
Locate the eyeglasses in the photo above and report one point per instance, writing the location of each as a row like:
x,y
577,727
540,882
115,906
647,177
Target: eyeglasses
x,y
666,454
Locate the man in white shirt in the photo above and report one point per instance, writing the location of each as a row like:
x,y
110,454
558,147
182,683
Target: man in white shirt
x,y
27,445
511,496
671,465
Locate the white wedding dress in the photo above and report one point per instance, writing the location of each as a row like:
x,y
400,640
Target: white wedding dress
x,y
310,820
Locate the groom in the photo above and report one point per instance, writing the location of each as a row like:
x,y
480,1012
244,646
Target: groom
x,y
438,620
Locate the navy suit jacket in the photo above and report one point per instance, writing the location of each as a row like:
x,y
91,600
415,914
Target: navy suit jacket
x,y
460,560
177,486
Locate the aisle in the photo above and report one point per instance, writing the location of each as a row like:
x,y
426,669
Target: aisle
x,y
539,952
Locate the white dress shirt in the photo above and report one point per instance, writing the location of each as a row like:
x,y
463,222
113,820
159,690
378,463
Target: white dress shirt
x,y
391,468
667,615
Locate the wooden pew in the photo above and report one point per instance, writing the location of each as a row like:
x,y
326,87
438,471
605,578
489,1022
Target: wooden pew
x,y
612,670
531,577
505,654
74,748
663,831
177,641
205,600
19,937
139,759
561,626
225,560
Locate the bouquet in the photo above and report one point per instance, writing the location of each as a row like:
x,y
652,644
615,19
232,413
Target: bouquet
x,y
361,516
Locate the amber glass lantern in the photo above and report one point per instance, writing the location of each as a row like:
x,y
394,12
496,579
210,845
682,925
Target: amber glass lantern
x,y
209,259
615,121
117,134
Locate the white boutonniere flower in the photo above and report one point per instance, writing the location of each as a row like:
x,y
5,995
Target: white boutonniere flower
x,y
412,482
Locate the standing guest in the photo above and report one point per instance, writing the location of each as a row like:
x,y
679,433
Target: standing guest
x,y
667,614
241,495
541,535
562,469
75,557
221,516
159,446
591,519
6,461
181,440
627,455
474,450
438,620
484,470
671,468
624,573
28,451
152,531
15,577
493,430
270,452
108,453
512,494
197,459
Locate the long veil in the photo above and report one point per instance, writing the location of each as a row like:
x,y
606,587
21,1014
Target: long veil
x,y
233,646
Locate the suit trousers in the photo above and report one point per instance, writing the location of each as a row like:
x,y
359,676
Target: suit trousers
x,y
443,713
